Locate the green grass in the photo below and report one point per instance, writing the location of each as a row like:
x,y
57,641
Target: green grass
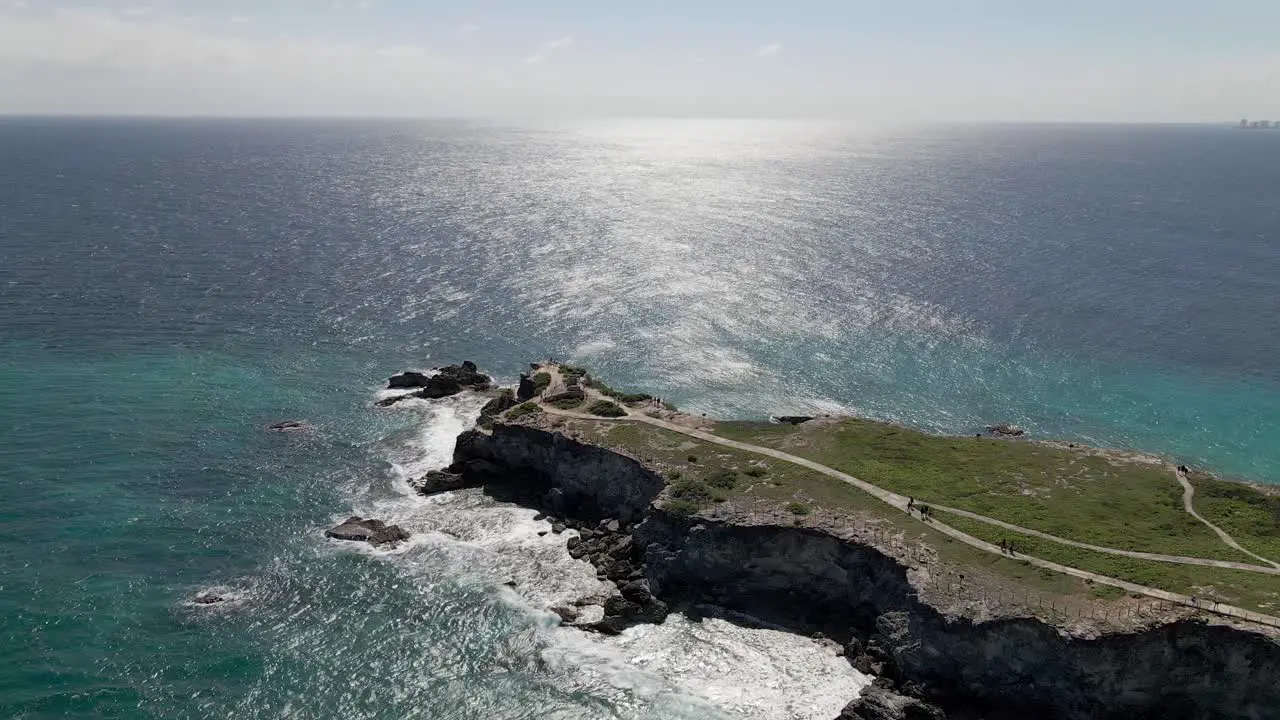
x,y
1070,494
797,508
1254,591
1248,515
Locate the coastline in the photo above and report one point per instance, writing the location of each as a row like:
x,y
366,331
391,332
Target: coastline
x,y
662,561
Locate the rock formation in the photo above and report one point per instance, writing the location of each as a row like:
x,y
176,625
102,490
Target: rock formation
x,y
374,532
444,382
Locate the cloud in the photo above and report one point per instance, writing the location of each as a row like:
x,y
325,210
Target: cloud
x,y
364,4
548,48
769,50
467,29
239,20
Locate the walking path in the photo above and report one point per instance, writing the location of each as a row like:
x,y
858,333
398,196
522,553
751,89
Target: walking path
x,y
1188,495
900,502
1157,557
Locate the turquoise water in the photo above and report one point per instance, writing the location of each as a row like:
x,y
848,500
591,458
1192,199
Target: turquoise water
x,y
169,289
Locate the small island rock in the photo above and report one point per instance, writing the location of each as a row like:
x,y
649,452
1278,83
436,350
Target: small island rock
x,y
374,532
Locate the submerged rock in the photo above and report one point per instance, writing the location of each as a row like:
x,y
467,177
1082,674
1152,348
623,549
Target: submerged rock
x,y
208,597
288,425
374,532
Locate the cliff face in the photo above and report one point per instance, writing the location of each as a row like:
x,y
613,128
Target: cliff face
x,y
809,581
585,481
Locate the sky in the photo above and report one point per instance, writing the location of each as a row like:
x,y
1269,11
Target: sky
x,y
860,60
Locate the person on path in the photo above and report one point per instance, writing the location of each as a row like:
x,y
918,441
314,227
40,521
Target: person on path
x,y
911,503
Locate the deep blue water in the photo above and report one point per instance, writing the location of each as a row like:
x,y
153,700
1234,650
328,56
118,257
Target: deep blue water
x,y
167,288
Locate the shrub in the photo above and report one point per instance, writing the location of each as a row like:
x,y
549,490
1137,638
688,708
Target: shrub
x,y
695,492
798,508
569,372
604,408
683,508
566,402
755,472
520,411
633,398
724,479
674,475
541,381
693,458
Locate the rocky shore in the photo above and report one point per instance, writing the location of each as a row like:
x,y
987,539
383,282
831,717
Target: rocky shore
x,y
928,663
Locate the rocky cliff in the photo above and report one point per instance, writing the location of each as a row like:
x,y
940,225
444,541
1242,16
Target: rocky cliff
x,y
812,582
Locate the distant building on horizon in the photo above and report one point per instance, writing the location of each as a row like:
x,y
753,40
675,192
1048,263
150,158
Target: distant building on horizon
x,y
1246,124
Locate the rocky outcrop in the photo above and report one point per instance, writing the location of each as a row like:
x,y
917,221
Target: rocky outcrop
x,y
505,400
374,532
810,581
289,426
444,382
1004,430
527,389
793,419
880,703
564,476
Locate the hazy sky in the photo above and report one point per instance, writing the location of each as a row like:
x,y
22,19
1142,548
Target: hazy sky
x,y
868,60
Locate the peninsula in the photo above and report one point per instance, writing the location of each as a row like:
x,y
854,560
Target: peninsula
x,y
985,576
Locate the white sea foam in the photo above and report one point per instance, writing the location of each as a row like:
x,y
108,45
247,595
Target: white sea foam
x,y
683,668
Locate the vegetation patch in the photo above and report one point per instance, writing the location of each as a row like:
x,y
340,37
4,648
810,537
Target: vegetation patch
x,y
695,491
541,381
571,372
604,408
567,402
797,508
520,411
723,478
623,397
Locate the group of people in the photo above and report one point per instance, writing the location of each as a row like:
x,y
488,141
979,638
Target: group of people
x,y
1006,547
925,511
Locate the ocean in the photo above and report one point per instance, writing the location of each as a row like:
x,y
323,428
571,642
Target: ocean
x,y
168,288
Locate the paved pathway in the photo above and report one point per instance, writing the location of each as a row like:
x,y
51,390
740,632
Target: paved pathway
x,y
1188,496
900,502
